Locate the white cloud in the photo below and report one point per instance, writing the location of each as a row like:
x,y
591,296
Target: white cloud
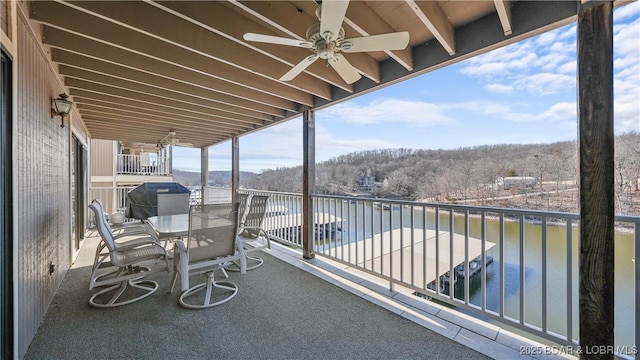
x,y
626,86
627,11
329,145
564,111
416,113
546,83
541,65
567,68
498,88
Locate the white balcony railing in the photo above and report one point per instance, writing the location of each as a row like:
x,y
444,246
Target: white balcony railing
x,y
146,164
521,265
113,198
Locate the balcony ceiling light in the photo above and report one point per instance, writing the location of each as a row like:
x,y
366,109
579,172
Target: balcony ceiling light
x,y
62,107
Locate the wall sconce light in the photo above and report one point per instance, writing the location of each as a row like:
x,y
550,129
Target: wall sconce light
x,y
62,107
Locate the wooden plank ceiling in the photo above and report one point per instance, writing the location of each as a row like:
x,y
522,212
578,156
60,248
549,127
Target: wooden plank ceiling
x,y
138,69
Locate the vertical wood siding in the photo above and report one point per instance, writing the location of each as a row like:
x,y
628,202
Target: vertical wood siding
x,y
4,17
41,189
102,158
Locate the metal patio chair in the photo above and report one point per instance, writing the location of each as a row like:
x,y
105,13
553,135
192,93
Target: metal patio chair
x,y
124,235
253,209
122,268
211,244
172,204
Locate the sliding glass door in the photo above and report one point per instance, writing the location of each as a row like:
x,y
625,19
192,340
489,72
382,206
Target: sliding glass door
x,y
6,216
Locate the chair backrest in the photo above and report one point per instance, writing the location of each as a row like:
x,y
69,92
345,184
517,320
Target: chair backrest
x,y
212,231
257,210
172,204
244,200
99,203
103,226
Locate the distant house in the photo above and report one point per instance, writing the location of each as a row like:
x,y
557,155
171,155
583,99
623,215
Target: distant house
x,y
508,182
365,183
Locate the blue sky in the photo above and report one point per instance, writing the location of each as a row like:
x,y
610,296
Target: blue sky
x,y
519,94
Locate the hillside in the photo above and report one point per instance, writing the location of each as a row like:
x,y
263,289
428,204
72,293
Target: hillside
x,y
464,175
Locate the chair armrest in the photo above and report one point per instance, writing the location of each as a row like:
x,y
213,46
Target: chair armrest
x,y
179,246
137,242
259,230
133,230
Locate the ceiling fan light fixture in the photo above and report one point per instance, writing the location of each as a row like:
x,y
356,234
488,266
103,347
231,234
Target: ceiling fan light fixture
x,y
346,45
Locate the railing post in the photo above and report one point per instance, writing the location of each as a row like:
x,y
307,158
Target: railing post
x,y
235,167
204,173
308,181
636,278
596,154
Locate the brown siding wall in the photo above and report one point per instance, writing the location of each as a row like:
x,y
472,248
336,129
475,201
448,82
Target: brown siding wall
x,y
101,158
41,189
4,17
105,192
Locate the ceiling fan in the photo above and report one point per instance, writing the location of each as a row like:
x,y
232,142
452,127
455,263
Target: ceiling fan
x,y
170,139
326,39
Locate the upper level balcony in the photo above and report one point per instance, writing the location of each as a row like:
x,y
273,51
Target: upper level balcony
x,y
146,163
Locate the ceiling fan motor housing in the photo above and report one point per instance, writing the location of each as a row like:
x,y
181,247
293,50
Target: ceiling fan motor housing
x,y
327,44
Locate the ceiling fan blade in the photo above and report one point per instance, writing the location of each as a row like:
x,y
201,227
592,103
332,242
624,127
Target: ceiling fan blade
x,y
331,16
276,40
299,68
346,71
391,41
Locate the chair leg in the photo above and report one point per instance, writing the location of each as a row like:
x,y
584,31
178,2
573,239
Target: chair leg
x,y
246,262
173,282
148,286
243,260
210,287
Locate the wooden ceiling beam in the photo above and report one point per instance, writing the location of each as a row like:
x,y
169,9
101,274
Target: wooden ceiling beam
x,y
166,53
96,53
167,103
432,16
139,135
159,29
215,17
110,80
192,133
77,61
117,113
503,7
367,22
90,97
110,107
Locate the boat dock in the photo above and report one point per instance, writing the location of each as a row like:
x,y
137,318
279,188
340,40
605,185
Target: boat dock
x,y
413,247
289,226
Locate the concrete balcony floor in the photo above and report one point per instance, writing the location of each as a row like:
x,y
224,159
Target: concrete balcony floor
x,y
289,308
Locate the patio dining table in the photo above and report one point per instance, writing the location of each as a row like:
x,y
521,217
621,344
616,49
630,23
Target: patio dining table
x,y
170,226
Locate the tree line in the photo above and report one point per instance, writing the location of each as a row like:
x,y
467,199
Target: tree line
x,y
465,175
468,174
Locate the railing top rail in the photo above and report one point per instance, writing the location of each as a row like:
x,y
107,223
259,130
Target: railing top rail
x,y
629,218
268,192
524,212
